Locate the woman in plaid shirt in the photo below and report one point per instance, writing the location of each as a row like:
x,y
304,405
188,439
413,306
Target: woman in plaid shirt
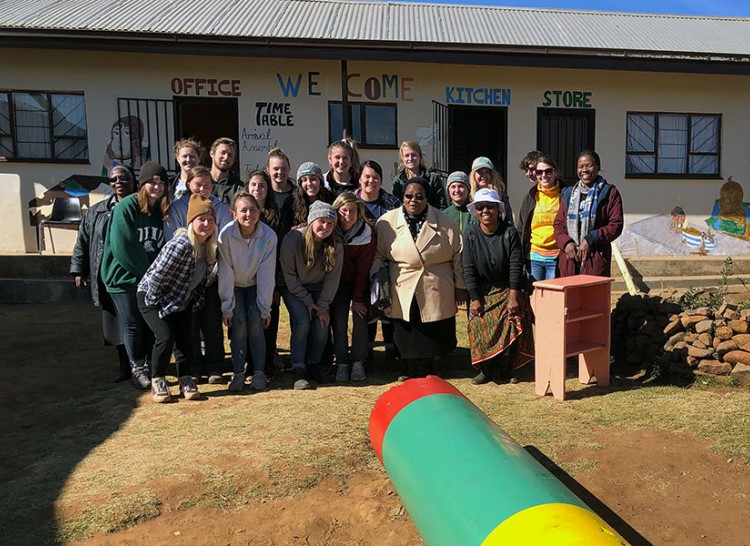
x,y
169,290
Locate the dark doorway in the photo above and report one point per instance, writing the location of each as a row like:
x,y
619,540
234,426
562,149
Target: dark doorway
x,y
478,131
206,120
563,133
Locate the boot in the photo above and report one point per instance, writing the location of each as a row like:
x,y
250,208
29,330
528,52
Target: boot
x,y
124,373
485,374
409,370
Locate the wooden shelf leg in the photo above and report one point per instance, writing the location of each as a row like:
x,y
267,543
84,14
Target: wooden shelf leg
x,y
594,364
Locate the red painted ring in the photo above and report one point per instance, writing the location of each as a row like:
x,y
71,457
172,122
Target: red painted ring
x,y
397,398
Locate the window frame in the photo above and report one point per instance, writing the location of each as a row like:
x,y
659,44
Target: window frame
x,y
53,138
688,154
363,124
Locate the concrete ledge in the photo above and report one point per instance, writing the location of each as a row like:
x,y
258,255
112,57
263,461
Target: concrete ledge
x,y
41,291
34,266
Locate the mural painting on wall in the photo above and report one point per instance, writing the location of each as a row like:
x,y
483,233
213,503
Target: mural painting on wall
x,y
725,233
126,144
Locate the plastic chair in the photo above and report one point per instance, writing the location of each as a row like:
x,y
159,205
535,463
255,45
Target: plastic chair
x,y
66,213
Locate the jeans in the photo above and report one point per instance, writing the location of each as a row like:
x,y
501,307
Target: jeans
x,y
247,327
136,334
542,271
207,325
339,325
309,337
170,331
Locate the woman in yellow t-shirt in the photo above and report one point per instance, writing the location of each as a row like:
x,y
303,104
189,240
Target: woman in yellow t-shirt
x,y
535,222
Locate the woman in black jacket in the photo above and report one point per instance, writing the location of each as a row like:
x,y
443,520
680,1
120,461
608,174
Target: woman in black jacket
x,y
87,257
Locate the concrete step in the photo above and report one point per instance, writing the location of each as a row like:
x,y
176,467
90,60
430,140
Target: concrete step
x,y
679,266
651,284
34,266
47,290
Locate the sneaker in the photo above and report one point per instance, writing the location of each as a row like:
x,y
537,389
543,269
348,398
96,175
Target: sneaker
x,y
358,371
140,378
480,379
215,379
188,388
300,383
513,381
238,382
259,381
342,373
160,390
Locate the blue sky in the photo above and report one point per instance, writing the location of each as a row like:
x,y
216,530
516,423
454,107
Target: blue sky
x,y
728,8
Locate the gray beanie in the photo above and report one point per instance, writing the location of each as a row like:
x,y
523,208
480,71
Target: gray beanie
x,y
320,209
310,168
457,176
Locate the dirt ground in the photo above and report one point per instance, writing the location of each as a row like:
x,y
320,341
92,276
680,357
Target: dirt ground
x,y
654,487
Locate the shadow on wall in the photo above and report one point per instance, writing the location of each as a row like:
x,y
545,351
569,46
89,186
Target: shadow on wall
x,y
59,404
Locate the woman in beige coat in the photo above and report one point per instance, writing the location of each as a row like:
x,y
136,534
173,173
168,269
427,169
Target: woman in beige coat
x,y
421,247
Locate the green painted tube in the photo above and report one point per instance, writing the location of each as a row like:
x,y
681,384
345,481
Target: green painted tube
x,y
463,480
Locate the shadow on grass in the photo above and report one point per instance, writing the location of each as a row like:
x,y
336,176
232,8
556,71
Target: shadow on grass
x,y
601,509
59,404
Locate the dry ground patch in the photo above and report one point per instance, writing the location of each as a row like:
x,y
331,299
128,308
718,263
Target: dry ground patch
x,y
87,460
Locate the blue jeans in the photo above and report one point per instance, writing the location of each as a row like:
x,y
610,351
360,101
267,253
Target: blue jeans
x,y
247,326
136,334
309,337
542,271
339,325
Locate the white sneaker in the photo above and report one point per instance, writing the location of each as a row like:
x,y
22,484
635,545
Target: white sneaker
x,y
358,371
342,373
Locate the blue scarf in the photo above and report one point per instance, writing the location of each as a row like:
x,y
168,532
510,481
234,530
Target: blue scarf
x,y
581,219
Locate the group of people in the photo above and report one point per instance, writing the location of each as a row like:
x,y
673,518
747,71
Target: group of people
x,y
171,262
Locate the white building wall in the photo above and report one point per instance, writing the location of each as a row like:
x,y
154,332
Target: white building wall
x,y
105,76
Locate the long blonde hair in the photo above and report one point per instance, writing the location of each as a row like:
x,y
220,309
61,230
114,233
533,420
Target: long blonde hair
x,y
414,145
496,183
209,247
329,249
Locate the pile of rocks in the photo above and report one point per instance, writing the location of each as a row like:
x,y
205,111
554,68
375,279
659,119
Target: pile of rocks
x,y
702,341
638,324
653,332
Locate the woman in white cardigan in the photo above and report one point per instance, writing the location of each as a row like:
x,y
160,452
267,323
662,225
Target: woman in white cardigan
x,y
422,247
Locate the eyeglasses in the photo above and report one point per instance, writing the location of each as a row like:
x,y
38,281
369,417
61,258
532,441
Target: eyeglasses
x,y
547,171
123,177
415,196
481,206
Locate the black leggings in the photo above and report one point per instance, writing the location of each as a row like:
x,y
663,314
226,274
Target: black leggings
x,y
172,330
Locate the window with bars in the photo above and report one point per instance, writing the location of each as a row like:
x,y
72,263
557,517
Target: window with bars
x,y
373,124
669,145
43,126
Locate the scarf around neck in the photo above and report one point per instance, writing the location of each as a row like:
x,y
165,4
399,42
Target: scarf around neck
x,y
581,216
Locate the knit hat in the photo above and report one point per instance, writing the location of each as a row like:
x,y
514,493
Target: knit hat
x,y
482,163
457,176
152,170
320,209
199,205
486,195
310,168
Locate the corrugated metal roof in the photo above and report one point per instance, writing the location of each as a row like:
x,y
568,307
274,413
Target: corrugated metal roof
x,y
385,23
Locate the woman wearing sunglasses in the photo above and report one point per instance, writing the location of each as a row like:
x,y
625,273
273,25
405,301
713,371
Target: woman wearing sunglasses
x,y
500,331
535,222
422,247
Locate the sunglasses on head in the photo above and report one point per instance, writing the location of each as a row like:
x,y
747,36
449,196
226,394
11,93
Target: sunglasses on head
x,y
548,170
123,177
414,196
481,206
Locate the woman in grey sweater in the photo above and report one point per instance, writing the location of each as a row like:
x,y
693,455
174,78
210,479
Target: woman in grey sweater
x,y
311,261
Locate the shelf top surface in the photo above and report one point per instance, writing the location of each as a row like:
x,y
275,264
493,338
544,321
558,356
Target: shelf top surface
x,y
576,281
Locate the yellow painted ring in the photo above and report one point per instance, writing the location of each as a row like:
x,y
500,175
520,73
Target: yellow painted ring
x,y
554,524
